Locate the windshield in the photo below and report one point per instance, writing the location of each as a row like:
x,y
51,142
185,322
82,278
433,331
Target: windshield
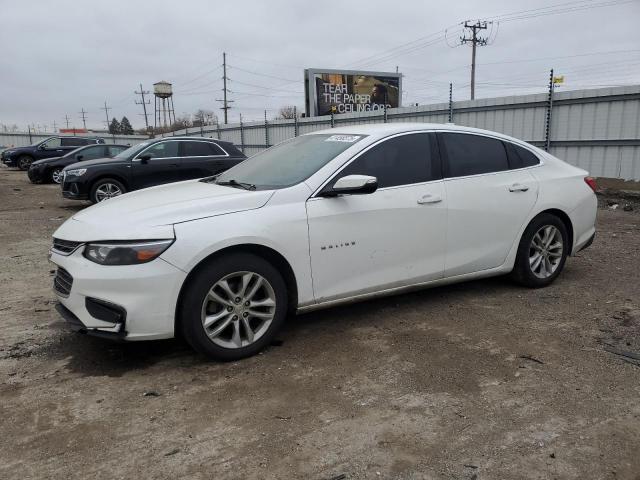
x,y
290,162
131,151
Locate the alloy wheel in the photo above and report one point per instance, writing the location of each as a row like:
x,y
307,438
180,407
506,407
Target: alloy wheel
x,y
238,309
56,175
106,191
24,163
545,251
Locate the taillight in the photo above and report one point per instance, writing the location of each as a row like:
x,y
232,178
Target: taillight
x,y
591,182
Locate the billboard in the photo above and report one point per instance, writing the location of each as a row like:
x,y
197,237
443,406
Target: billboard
x,y
348,91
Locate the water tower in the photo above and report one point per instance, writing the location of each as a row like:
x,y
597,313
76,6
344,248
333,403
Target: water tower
x,y
164,104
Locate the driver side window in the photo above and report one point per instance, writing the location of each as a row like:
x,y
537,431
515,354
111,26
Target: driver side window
x,y
401,160
52,143
162,150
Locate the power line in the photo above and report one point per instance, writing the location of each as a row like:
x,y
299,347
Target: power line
x,y
208,72
233,67
558,9
265,87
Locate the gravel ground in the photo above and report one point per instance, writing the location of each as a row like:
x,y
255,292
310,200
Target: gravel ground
x,y
477,380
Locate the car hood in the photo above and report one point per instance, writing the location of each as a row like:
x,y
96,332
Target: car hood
x,y
96,161
151,213
15,150
45,161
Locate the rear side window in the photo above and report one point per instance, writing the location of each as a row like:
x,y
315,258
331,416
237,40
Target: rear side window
x,y
216,149
520,157
473,154
92,152
198,149
400,160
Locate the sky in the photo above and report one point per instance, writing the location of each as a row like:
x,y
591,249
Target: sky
x,y
59,58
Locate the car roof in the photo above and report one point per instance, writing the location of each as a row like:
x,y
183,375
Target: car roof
x,y
385,129
187,137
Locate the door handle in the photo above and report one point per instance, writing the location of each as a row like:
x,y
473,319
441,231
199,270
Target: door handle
x,y
429,199
518,187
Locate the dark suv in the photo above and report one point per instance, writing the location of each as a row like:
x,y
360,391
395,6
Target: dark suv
x,y
149,163
50,169
22,157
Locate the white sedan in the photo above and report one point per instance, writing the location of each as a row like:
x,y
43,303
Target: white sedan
x,y
325,218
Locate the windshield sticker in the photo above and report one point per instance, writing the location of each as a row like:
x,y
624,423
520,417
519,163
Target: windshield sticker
x,y
343,138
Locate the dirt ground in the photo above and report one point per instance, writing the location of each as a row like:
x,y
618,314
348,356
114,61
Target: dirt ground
x,y
483,380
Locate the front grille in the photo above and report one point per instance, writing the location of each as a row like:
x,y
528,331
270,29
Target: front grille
x,y
62,282
65,247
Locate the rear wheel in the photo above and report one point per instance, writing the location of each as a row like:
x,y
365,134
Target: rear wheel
x,y
56,175
24,162
232,308
106,188
542,252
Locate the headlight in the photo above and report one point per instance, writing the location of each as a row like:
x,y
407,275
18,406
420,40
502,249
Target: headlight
x,y
75,172
125,253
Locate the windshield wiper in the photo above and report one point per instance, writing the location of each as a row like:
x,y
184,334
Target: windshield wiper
x,y
210,179
235,183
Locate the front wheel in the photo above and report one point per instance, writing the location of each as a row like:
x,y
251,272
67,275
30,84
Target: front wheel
x,y
233,307
542,252
24,162
56,175
106,188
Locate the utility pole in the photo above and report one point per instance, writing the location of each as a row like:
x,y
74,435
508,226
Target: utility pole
x,y
225,103
55,127
144,104
84,119
547,133
475,41
451,103
66,118
106,114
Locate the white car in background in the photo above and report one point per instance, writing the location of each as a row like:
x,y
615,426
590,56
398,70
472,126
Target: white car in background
x,y
329,217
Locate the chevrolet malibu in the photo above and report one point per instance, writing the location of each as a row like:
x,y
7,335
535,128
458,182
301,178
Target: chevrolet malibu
x,y
325,218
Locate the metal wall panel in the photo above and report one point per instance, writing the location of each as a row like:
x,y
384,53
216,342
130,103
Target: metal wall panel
x,y
22,139
597,129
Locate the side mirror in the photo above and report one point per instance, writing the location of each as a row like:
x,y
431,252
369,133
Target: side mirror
x,y
144,158
42,147
353,185
79,157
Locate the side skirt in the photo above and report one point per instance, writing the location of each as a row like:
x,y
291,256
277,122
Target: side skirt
x,y
492,272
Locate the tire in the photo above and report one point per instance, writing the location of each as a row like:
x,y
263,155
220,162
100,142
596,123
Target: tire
x,y
106,188
56,175
542,252
227,337
24,161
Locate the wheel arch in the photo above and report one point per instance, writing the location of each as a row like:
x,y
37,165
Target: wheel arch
x,y
562,215
115,176
272,256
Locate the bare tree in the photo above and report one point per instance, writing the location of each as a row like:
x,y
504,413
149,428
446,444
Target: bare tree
x,y
204,117
287,112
